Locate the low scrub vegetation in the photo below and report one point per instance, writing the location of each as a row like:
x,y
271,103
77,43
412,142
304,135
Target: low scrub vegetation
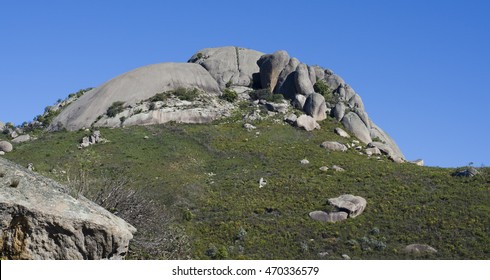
x,y
116,108
229,95
267,95
206,178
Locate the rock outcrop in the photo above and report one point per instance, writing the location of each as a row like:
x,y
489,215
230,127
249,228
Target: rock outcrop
x,y
40,220
229,66
133,87
6,147
211,71
353,205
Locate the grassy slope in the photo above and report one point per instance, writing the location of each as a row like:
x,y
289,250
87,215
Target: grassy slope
x,y
229,216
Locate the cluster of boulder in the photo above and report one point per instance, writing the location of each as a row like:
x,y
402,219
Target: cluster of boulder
x,y
92,139
40,220
211,71
16,134
346,205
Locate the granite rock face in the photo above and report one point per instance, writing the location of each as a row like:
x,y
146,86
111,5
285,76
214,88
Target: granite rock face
x,y
131,88
229,66
40,220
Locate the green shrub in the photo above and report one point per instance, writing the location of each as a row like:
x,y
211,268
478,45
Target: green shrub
x,y
186,94
322,88
180,93
266,95
116,108
162,96
229,95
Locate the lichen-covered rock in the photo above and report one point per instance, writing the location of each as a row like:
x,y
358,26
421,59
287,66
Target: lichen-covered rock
x,y
338,111
353,205
40,220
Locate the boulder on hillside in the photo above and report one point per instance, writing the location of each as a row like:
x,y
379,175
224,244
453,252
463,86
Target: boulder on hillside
x,y
338,111
341,132
419,249
6,147
353,123
2,127
376,132
328,217
21,138
302,80
271,65
307,123
315,106
469,171
40,220
131,88
299,101
333,146
290,118
353,205
286,82
230,66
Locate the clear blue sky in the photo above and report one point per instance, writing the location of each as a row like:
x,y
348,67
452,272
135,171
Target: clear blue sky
x,y
421,67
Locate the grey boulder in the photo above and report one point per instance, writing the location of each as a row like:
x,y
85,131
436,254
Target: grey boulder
x,y
353,123
21,138
333,81
286,82
290,118
302,79
40,220
271,65
377,132
299,101
328,217
232,66
307,123
338,111
353,205
5,146
419,249
339,131
315,106
333,146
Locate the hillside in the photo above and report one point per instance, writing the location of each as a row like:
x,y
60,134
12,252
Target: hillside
x,y
237,154
206,177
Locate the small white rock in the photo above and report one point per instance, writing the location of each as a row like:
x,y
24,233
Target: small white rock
x,y
305,161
